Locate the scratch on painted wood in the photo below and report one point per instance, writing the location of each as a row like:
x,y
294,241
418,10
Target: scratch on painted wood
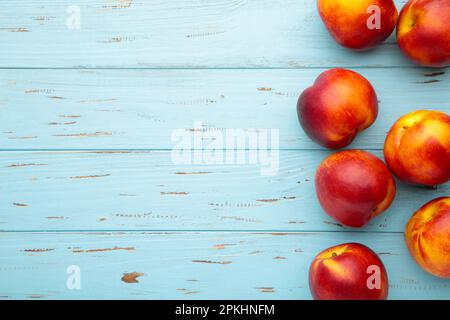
x,y
91,176
37,296
97,100
69,116
334,224
244,219
22,138
85,135
16,29
276,199
204,34
429,81
192,292
19,165
20,204
38,250
174,193
61,123
266,289
104,250
192,173
434,74
387,254
212,262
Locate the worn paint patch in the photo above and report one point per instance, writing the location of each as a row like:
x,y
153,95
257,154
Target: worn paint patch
x,y
222,246
132,277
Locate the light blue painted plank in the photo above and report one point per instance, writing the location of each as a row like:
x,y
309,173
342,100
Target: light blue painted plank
x,y
191,265
68,109
181,33
148,191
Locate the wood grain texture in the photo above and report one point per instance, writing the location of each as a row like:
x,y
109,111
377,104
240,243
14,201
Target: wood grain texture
x,y
122,109
147,191
193,265
176,34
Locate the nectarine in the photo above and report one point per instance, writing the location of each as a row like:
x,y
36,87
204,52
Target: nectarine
x,y
348,271
354,186
427,236
417,148
339,105
423,32
359,24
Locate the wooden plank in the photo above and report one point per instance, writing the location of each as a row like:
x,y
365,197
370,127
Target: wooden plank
x,y
180,34
194,265
147,191
122,109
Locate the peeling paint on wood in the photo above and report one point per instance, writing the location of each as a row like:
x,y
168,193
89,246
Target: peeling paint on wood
x,y
132,277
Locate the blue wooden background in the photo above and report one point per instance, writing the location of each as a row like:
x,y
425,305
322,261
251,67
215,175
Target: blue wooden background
x,y
87,175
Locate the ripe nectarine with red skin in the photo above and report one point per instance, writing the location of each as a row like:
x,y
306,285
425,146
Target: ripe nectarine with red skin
x,y
339,105
417,148
423,32
358,24
427,236
354,186
344,272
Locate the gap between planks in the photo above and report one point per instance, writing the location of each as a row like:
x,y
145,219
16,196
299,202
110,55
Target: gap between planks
x,y
219,68
193,231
